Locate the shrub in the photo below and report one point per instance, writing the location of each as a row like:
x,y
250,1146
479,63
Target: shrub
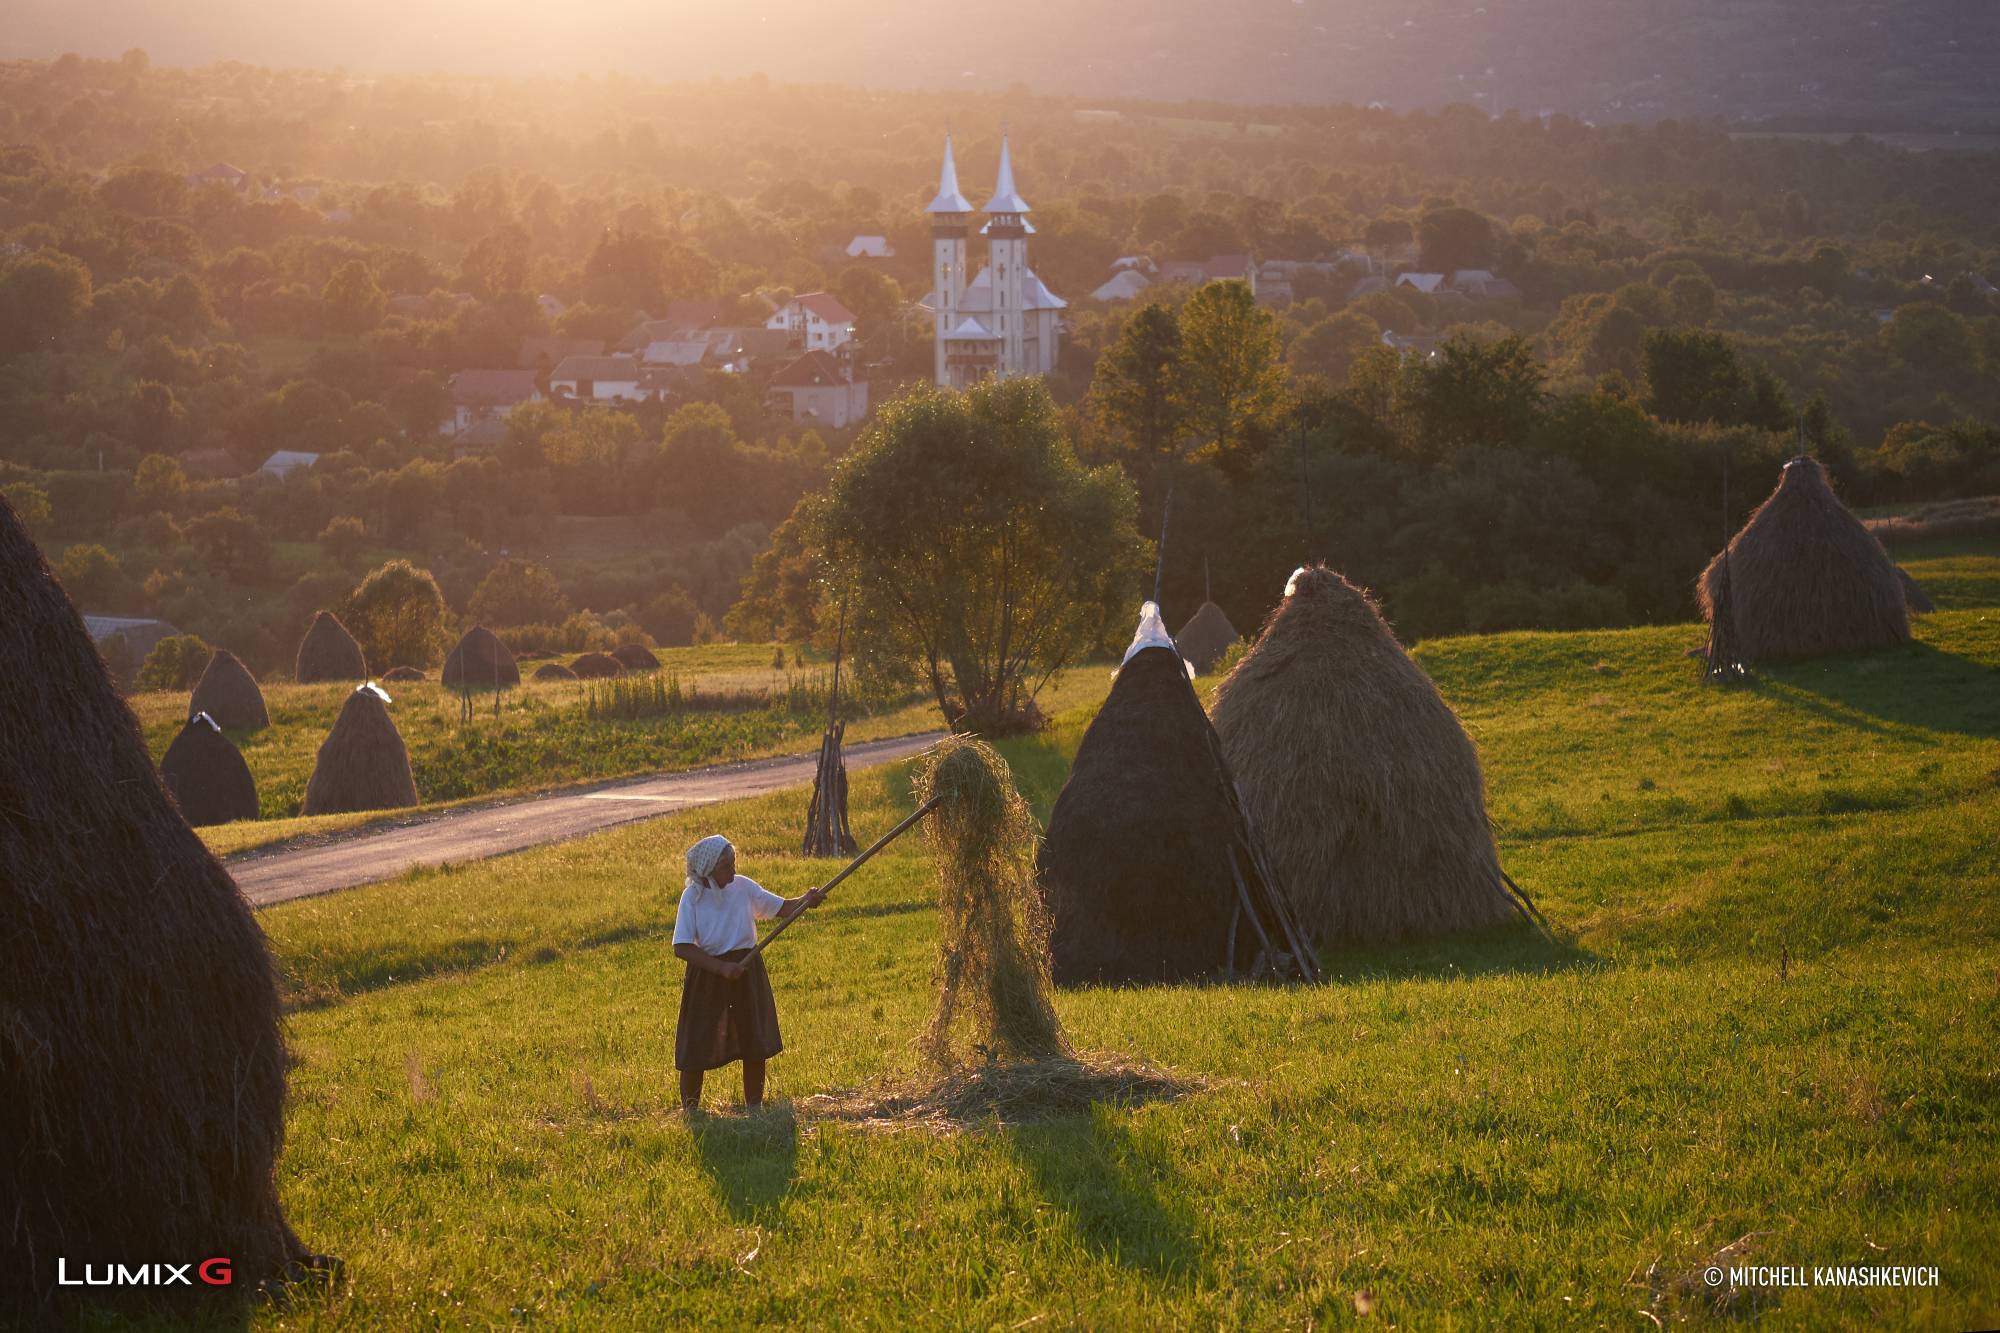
x,y
175,663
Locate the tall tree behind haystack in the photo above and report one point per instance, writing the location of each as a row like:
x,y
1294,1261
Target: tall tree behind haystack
x,y
1365,788
1803,578
142,1068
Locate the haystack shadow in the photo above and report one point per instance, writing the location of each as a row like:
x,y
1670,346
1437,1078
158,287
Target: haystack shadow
x,y
1113,1191
753,1158
1512,950
1916,685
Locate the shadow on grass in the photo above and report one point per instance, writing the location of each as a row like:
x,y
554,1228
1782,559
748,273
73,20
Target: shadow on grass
x,y
1513,950
1913,686
1116,1193
753,1158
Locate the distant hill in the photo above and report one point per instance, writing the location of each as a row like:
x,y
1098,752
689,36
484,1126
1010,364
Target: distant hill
x,y
1859,64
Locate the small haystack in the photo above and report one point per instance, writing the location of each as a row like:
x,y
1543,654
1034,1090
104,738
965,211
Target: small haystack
x,y
142,1065
596,666
1206,638
1148,865
207,777
480,662
554,671
1366,789
362,763
228,693
1914,597
403,675
636,657
1804,578
329,652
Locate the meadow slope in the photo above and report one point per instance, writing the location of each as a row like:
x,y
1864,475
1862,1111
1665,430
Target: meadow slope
x,y
1767,1035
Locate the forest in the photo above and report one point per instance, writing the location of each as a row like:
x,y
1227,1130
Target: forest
x,y
1688,308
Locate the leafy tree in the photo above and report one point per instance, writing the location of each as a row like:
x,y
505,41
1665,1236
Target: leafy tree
x,y
160,482
518,592
1693,376
397,615
155,414
41,296
1328,348
670,617
1232,379
978,547
497,263
1693,298
1135,399
92,578
344,538
31,505
351,301
1473,394
1933,341
1451,238
229,542
175,663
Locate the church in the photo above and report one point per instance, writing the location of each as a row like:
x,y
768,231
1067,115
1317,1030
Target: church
x,y
1003,322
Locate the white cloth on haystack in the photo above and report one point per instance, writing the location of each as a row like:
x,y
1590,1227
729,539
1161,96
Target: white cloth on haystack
x,y
1152,633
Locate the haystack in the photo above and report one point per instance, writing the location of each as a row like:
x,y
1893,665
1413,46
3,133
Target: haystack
x,y
403,675
209,780
1803,578
554,671
480,662
1366,789
1147,865
1914,597
597,666
636,657
1206,638
228,693
362,763
329,652
142,1065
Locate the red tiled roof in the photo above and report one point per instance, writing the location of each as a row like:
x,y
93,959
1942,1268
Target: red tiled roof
x,y
827,306
814,370
489,387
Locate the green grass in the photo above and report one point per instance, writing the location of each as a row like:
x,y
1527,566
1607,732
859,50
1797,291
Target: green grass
x,y
1772,1016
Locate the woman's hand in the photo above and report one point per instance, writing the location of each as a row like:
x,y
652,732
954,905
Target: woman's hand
x,y
814,897
729,971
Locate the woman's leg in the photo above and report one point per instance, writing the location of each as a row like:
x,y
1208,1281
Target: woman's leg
x,y
690,1089
753,1082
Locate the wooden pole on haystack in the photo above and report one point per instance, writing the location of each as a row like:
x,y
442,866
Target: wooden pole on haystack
x,y
827,833
1722,663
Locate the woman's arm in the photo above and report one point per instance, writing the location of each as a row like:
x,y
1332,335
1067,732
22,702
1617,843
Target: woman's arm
x,y
793,906
692,955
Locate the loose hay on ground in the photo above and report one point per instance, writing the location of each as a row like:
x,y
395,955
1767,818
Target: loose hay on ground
x,y
1008,1094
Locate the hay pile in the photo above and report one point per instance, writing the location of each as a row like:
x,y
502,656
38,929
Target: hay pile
x,y
1803,578
554,671
362,763
480,662
142,1066
328,652
1367,792
596,666
403,675
1139,869
208,779
1206,638
635,657
228,693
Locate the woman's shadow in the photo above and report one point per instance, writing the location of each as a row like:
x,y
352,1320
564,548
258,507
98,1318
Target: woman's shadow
x,y
753,1158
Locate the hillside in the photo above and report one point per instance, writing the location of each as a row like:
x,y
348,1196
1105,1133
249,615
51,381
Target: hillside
x,y
1766,1036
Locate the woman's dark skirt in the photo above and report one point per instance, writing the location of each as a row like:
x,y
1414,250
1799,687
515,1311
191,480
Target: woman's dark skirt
x,y
726,1021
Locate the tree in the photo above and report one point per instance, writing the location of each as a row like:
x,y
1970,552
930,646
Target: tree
x,y
497,263
229,542
1232,377
175,663
1933,340
518,592
1451,237
397,614
41,296
1695,376
351,301
31,505
670,617
1328,348
1473,394
344,538
161,482
155,414
1693,298
1135,392
978,547
92,578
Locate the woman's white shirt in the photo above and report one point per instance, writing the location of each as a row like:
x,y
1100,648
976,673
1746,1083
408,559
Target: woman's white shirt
x,y
719,921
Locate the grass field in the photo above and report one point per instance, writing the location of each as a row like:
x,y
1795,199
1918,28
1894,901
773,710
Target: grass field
x,y
1767,1036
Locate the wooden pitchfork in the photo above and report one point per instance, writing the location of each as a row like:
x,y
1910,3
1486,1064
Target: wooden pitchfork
x,y
852,866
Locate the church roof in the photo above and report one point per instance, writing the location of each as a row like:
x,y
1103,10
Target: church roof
x,y
971,327
949,200
1034,293
1006,199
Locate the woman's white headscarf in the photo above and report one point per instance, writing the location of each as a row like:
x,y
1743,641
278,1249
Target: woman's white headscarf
x,y
704,856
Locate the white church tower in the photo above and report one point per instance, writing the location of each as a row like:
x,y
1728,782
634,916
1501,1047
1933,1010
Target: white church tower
x,y
1003,322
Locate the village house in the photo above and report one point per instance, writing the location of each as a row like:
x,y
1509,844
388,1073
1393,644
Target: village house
x,y
606,379
541,353
285,462
139,635
870,247
1124,285
820,388
479,394
223,174
816,321
1430,284
1216,268
1478,283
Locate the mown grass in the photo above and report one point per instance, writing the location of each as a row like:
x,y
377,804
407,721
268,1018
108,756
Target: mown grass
x,y
1769,1024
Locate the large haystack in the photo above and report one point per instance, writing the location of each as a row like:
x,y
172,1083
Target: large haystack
x,y
209,780
362,763
597,666
636,657
554,671
1803,578
329,652
228,693
1141,863
1206,638
1365,788
142,1066
480,662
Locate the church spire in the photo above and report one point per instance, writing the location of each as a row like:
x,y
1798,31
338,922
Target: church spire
x,y
1005,198
949,200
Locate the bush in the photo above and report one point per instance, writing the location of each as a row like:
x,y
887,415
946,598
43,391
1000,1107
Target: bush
x,y
175,663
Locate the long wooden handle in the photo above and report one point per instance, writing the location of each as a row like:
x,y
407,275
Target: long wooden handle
x,y
853,866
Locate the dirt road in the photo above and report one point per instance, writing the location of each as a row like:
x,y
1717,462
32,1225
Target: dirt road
x,y
343,860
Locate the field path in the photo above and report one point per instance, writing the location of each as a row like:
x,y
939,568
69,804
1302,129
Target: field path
x,y
377,852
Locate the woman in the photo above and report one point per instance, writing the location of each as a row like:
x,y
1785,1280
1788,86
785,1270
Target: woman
x,y
727,1010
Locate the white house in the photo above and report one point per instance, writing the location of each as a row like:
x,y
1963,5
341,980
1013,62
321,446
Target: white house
x,y
817,321
1480,283
602,379
870,247
822,389
285,462
477,395
1430,284
1125,285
